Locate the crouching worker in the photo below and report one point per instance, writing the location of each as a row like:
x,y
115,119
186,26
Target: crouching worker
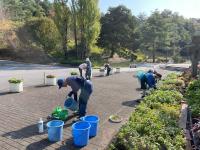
x,y
151,79
77,83
143,82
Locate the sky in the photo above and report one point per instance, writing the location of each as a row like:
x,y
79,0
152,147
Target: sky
x,y
186,8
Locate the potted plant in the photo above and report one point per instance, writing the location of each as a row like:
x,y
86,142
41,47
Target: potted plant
x,y
73,73
102,71
117,70
50,80
16,85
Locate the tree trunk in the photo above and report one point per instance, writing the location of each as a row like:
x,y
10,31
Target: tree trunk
x,y
65,50
153,56
82,37
75,27
76,41
112,52
194,64
65,46
166,57
87,50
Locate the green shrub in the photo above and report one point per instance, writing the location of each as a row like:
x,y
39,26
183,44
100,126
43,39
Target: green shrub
x,y
160,96
154,124
178,59
168,87
95,50
45,31
161,59
176,82
57,53
172,82
128,54
15,81
140,57
72,61
172,76
71,44
193,97
151,129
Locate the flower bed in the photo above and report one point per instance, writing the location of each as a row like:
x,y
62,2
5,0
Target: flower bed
x,y
193,97
154,124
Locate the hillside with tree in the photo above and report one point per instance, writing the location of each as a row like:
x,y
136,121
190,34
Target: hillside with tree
x,y
68,31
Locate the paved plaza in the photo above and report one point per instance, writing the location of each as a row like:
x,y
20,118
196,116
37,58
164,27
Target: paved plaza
x,y
20,113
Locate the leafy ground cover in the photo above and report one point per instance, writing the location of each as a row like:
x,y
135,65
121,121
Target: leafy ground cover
x,y
154,123
193,97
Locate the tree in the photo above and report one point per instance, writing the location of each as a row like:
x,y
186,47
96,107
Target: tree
x,y
62,21
44,31
46,6
22,10
88,20
118,26
152,32
74,20
163,32
195,52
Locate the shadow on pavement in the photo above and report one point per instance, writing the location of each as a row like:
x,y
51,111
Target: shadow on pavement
x,y
131,103
7,93
105,75
68,145
43,86
138,89
172,68
66,125
40,145
25,132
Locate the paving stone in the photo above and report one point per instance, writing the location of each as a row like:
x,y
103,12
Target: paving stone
x,y
115,94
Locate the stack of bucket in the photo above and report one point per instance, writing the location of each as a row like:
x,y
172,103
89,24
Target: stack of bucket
x,y
84,129
81,130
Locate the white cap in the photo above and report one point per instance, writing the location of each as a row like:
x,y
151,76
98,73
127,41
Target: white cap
x,y
87,59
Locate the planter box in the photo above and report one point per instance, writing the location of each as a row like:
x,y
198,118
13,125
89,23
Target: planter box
x,y
117,70
183,121
50,81
102,72
16,87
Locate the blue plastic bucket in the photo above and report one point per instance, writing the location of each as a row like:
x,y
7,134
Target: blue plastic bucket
x,y
80,133
71,104
94,122
55,130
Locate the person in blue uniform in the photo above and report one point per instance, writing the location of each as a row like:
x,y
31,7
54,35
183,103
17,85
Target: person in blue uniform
x,y
77,83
